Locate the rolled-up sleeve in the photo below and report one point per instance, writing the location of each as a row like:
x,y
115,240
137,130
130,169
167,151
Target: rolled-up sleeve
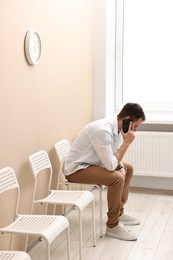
x,y
102,143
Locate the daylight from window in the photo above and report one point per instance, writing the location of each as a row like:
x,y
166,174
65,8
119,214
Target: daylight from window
x,y
147,53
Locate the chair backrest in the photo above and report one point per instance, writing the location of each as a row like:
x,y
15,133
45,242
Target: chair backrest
x,y
39,162
8,181
13,255
61,148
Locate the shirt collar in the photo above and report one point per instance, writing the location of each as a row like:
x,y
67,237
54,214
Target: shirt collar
x,y
115,125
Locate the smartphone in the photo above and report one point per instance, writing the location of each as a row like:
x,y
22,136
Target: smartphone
x,y
126,123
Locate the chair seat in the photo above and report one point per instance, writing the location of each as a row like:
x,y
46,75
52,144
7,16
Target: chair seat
x,y
80,199
14,255
100,188
48,227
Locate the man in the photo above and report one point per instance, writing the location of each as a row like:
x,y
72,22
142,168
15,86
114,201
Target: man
x,y
96,157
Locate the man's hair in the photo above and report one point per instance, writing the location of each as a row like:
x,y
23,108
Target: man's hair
x,y
133,110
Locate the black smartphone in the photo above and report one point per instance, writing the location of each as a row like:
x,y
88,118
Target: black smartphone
x,y
126,123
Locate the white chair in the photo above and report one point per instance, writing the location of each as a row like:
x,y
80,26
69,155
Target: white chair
x,y
40,163
44,226
62,148
14,255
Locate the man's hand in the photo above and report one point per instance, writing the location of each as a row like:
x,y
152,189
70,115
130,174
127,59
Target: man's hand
x,y
129,136
128,139
123,171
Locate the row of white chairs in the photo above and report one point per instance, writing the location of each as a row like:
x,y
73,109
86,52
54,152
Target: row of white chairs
x,y
48,227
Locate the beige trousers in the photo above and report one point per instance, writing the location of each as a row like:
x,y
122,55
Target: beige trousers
x,y
118,187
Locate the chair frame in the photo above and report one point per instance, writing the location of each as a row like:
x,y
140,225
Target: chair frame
x,y
40,162
62,148
44,226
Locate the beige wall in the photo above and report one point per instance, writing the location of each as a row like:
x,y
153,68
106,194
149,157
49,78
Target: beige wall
x,y
43,103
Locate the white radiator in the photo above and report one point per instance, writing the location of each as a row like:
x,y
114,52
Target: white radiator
x,y
151,154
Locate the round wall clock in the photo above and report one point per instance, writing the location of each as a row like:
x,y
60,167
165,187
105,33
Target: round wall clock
x,y
33,47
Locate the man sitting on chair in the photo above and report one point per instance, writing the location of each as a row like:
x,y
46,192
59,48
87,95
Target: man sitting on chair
x,y
95,157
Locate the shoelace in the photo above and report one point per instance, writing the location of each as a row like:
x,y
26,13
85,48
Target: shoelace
x,y
124,227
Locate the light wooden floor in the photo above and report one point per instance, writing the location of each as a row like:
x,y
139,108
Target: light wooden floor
x,y
155,240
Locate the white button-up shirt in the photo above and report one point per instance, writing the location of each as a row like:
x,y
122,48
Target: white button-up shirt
x,y
95,145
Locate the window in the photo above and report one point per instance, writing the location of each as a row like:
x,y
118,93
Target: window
x,y
144,54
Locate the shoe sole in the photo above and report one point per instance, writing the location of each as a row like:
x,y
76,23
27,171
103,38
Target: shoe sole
x,y
121,237
128,223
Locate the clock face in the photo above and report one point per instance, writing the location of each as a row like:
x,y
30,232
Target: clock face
x,y
33,47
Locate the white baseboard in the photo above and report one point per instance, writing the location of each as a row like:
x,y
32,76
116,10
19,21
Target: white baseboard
x,y
152,182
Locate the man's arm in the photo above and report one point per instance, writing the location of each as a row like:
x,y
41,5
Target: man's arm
x,y
127,140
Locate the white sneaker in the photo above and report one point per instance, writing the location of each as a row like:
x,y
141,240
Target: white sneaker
x,y
129,221
121,232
